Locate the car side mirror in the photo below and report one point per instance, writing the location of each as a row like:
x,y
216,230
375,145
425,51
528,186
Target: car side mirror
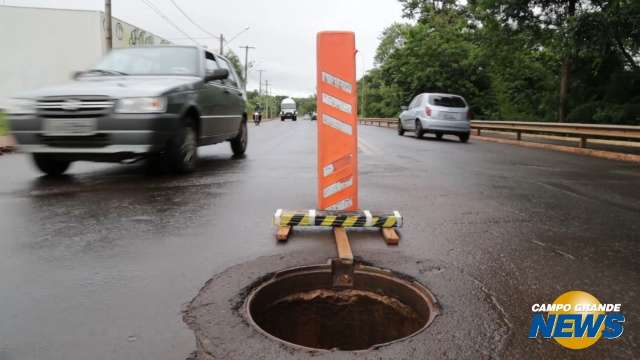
x,y
217,74
404,108
76,74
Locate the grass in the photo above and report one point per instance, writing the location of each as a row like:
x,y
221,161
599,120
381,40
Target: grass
x,y
4,126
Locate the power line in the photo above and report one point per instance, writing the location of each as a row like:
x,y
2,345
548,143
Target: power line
x,y
162,15
192,21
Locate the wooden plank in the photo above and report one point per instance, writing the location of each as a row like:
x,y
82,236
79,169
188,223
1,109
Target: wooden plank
x,y
283,233
390,236
342,242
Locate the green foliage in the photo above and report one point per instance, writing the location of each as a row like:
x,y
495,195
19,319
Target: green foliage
x,y
237,65
306,105
4,125
391,39
272,103
612,114
584,113
631,114
600,112
504,57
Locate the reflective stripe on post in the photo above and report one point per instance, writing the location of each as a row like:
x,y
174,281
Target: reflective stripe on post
x,y
337,109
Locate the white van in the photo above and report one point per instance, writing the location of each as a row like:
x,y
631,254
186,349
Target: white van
x,y
288,110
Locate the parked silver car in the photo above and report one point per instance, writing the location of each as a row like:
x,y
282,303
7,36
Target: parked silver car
x,y
439,114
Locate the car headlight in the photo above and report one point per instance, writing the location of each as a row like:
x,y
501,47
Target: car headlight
x,y
141,105
21,107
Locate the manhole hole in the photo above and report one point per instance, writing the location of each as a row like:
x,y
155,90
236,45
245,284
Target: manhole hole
x,y
301,308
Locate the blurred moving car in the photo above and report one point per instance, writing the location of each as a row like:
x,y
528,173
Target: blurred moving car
x,y
288,110
439,114
314,116
138,102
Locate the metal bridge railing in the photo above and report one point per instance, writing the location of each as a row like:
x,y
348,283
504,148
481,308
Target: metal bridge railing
x,y
584,132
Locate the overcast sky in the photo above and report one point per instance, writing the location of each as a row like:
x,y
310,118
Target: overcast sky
x,y
283,31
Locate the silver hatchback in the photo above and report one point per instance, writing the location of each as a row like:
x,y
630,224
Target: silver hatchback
x,y
439,114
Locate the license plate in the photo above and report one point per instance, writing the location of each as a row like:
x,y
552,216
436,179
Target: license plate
x,y
450,116
69,127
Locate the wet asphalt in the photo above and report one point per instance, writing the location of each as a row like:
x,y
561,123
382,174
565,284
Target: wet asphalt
x,y
100,264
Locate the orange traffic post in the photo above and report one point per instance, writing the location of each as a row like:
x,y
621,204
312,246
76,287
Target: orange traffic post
x,y
337,167
337,109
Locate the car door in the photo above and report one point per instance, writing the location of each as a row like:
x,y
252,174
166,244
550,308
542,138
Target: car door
x,y
211,101
418,108
408,119
234,98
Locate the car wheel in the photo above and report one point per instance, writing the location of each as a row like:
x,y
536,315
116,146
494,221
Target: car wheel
x,y
295,118
239,143
464,138
182,151
50,165
281,119
439,136
419,129
400,129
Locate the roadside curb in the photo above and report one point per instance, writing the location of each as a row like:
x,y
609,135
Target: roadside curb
x,y
567,149
7,144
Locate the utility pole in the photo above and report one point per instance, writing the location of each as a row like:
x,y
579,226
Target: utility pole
x,y
246,64
260,86
108,24
268,100
260,89
222,44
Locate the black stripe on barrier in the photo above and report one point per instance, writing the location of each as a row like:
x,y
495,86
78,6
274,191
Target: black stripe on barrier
x,y
360,222
340,219
296,219
380,221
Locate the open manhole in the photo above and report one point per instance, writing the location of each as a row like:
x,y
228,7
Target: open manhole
x,y
300,307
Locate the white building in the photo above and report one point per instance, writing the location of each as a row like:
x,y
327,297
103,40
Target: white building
x,y
41,46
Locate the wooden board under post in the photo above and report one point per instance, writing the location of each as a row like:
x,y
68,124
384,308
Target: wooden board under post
x,y
390,235
342,242
283,233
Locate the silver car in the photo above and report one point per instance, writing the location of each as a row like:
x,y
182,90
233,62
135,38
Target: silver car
x,y
439,114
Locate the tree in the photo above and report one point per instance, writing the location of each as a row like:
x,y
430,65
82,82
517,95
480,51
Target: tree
x,y
513,59
392,38
306,105
237,65
571,27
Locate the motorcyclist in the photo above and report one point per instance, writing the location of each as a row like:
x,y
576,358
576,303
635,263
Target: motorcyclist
x,y
257,115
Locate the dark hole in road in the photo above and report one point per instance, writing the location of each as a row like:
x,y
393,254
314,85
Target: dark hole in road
x,y
300,307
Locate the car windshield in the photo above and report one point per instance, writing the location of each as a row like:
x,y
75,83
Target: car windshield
x,y
447,101
151,61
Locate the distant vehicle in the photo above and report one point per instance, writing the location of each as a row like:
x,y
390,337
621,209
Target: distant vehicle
x,y
439,114
257,115
159,102
288,109
314,116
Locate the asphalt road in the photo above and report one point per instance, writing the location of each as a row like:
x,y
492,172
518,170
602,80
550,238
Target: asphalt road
x,y
99,264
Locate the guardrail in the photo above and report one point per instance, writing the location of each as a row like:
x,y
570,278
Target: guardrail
x,y
584,132
387,122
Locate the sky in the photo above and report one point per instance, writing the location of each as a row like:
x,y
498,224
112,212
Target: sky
x,y
282,31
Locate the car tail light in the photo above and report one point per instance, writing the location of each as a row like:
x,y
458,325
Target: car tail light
x,y
427,110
